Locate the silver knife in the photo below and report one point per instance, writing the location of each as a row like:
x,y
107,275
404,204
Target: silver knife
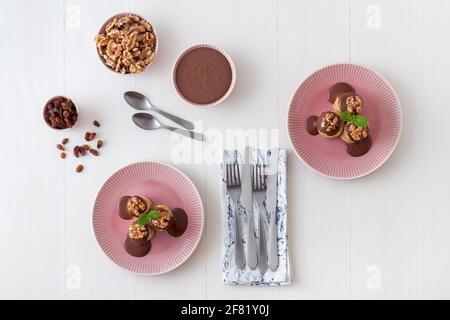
x,y
247,202
271,207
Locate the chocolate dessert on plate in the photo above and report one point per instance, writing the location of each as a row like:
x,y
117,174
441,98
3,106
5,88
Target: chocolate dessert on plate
x,y
147,220
345,121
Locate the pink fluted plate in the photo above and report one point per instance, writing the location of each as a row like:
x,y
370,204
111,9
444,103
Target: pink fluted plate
x,y
163,184
328,157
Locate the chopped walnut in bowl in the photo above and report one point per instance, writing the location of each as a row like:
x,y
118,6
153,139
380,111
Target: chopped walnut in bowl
x,y
126,43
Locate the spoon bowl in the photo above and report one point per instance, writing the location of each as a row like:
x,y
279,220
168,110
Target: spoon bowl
x,y
147,121
137,100
140,102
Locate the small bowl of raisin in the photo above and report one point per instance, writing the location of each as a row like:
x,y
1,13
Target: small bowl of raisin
x,y
60,113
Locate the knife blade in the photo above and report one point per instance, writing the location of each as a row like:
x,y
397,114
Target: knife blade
x,y
271,207
247,202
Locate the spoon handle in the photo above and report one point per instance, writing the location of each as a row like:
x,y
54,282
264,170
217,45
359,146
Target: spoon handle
x,y
182,122
190,134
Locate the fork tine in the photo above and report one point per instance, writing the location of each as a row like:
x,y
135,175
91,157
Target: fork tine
x,y
229,175
256,176
233,174
265,178
260,177
238,174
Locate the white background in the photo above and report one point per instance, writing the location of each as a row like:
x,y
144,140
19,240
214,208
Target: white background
x,y
382,236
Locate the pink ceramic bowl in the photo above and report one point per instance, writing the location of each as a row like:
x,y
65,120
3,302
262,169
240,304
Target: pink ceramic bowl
x,y
233,75
328,157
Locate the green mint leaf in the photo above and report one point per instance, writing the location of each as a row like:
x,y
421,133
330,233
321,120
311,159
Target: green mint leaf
x,y
143,219
154,214
346,116
360,121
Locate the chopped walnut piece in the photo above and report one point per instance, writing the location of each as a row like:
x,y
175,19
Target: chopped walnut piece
x,y
164,219
136,206
137,231
330,122
354,104
357,133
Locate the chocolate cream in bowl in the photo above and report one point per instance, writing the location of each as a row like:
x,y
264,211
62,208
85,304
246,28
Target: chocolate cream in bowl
x,y
203,75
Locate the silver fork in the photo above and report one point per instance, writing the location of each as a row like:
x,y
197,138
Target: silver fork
x,y
234,190
259,184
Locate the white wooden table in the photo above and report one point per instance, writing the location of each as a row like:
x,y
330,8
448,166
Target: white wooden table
x,y
390,237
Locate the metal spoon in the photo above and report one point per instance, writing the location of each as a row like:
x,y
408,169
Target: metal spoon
x,y
148,122
140,102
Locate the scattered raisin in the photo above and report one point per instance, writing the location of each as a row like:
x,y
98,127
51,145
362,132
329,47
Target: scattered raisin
x,y
96,123
89,136
65,140
99,144
94,152
76,151
63,155
60,147
79,168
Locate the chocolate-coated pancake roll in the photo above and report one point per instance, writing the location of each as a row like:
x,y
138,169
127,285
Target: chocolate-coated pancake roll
x,y
330,125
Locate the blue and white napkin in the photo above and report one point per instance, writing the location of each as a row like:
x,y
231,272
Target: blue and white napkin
x,y
231,274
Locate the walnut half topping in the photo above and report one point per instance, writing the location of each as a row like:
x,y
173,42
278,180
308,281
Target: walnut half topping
x,y
357,133
354,104
136,231
329,122
136,206
164,219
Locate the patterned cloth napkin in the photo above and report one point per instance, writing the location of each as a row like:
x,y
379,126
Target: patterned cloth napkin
x,y
232,275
